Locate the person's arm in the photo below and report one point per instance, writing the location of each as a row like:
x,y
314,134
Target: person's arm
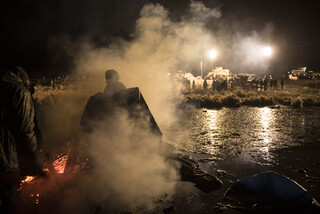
x,y
26,140
24,123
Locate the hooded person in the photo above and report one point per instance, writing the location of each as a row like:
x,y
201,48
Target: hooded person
x,y
18,142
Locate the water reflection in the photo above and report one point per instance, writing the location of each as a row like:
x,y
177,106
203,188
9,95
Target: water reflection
x,y
211,123
266,117
212,118
246,132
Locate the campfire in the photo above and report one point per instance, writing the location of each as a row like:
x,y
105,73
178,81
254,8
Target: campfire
x,y
39,193
59,165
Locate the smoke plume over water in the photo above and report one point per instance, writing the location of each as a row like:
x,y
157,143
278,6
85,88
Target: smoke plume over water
x,y
130,171
158,48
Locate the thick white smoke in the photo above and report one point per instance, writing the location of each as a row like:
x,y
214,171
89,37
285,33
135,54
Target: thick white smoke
x,y
130,169
248,50
159,47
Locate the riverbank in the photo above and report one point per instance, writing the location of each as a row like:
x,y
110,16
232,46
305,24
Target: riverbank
x,y
295,94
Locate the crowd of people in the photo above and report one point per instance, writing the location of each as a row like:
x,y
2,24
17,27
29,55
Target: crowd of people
x,y
219,84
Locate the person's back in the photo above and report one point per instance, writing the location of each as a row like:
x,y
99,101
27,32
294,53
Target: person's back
x,y
101,104
105,111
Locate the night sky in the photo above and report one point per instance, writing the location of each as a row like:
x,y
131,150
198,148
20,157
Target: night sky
x,y
31,31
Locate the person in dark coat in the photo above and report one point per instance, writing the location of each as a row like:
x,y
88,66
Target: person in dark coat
x,y
99,105
104,110
193,84
205,84
113,83
18,142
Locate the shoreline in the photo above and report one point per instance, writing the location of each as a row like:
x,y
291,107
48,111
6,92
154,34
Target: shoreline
x,y
236,97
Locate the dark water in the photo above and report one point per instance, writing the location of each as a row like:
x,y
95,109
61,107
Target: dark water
x,y
247,132
235,143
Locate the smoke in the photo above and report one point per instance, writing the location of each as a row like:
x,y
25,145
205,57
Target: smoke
x,y
200,13
130,169
159,47
248,48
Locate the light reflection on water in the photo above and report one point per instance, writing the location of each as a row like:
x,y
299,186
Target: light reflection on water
x,y
246,132
265,117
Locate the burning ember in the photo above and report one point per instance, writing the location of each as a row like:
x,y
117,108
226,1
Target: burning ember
x,y
60,164
35,198
28,179
36,192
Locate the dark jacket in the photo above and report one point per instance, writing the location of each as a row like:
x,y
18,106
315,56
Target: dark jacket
x,y
104,110
18,143
99,106
112,88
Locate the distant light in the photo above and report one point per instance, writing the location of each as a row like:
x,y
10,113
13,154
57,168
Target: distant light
x,y
267,51
213,54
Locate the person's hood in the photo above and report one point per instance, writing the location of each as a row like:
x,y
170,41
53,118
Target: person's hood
x,y
15,75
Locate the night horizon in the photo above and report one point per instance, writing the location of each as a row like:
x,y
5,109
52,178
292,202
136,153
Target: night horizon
x,y
44,37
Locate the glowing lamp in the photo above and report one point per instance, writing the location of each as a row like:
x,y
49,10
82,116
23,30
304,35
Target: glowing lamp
x,y
267,51
213,54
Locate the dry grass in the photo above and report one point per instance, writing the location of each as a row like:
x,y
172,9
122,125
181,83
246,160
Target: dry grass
x,y
294,96
45,95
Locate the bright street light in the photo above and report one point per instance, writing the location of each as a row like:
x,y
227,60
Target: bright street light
x,y
213,54
267,51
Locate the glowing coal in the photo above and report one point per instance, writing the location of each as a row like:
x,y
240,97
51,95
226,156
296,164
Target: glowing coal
x,y
60,164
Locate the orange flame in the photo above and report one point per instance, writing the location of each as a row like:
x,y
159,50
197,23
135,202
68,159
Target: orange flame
x,y
60,164
28,179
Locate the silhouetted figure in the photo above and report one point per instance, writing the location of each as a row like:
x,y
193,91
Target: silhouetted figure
x,y
105,113
205,84
219,85
282,83
193,84
265,82
18,142
214,85
225,84
103,110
